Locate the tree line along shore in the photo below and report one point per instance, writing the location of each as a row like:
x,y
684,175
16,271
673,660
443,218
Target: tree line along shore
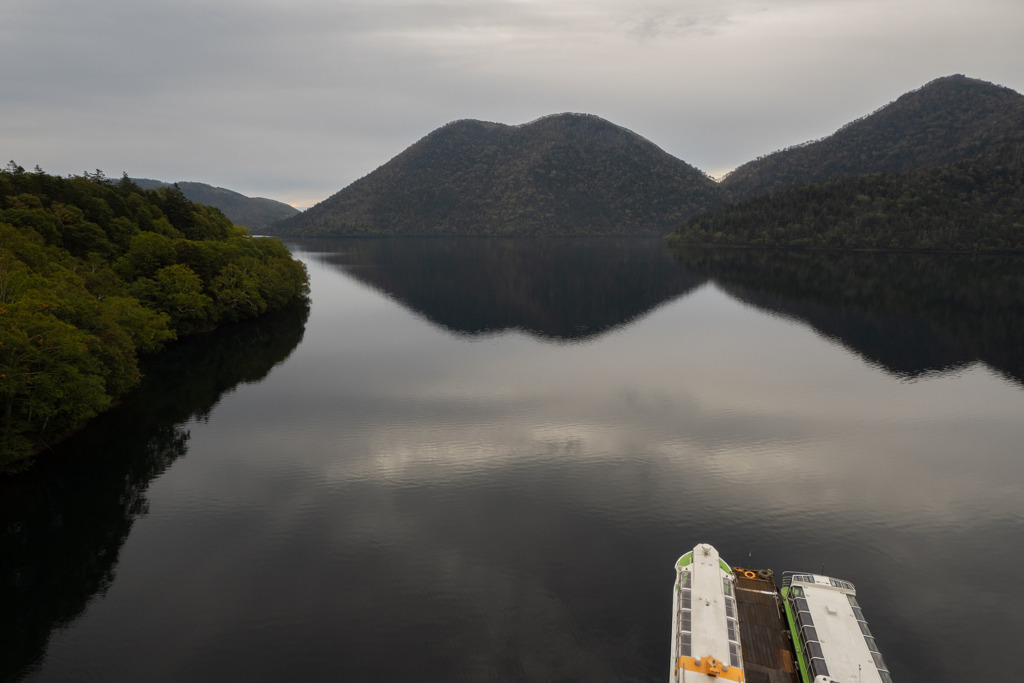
x,y
96,272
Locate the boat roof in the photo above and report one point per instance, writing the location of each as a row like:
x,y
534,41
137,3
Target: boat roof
x,y
842,630
705,598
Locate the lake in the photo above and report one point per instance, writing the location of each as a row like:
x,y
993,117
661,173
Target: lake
x,y
479,459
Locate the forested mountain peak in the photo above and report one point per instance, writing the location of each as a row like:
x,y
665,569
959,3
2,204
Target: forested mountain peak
x,y
939,169
947,120
564,174
251,212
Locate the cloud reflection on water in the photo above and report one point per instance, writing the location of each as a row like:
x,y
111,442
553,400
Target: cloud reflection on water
x,y
505,505
705,388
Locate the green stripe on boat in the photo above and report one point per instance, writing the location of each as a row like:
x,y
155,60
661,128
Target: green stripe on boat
x,y
795,632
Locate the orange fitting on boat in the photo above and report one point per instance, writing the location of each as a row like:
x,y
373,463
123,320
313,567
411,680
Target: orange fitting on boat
x,y
710,666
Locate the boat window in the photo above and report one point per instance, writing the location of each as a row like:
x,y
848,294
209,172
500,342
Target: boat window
x,y
818,667
864,628
813,649
683,644
859,614
727,586
839,583
871,643
684,579
853,599
684,620
804,619
801,605
796,592
809,633
730,608
684,599
879,662
731,625
734,655
886,678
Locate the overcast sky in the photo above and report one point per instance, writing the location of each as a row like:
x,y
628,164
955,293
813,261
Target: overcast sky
x,y
295,99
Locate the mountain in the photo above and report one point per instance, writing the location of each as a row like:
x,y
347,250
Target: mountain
x,y
947,120
942,168
567,174
251,212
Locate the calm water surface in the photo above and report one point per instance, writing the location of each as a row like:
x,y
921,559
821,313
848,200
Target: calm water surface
x,y
478,460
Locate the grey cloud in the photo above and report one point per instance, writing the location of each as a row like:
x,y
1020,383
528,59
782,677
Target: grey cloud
x,y
678,18
297,100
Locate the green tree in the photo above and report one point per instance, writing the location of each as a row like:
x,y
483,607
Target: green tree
x,y
177,291
236,290
149,252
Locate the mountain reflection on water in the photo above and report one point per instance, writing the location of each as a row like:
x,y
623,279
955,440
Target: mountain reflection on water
x,y
911,314
416,493
561,289
62,524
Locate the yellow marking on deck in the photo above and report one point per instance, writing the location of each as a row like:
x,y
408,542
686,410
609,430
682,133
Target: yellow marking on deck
x,y
712,667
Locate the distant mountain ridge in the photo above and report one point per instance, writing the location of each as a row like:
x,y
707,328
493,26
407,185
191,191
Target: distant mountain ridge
x,y
566,174
939,168
947,120
251,212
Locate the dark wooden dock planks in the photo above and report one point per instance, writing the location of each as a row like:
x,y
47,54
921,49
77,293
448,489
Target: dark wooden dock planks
x,y
767,650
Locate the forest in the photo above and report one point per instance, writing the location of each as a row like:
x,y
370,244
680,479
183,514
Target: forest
x,y
95,272
975,205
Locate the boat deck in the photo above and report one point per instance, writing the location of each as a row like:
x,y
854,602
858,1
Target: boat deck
x,y
767,650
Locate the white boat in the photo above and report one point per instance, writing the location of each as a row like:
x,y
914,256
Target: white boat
x,y
830,634
705,631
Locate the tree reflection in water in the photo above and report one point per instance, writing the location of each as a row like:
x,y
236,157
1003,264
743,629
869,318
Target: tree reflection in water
x,y
63,523
910,314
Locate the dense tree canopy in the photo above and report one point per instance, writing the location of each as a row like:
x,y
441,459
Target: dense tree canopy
x,y
94,272
974,205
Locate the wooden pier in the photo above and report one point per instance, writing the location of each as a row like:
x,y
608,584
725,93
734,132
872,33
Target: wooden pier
x,y
767,647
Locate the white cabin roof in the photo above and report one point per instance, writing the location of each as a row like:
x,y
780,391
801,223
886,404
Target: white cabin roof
x,y
704,625
841,628
708,605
